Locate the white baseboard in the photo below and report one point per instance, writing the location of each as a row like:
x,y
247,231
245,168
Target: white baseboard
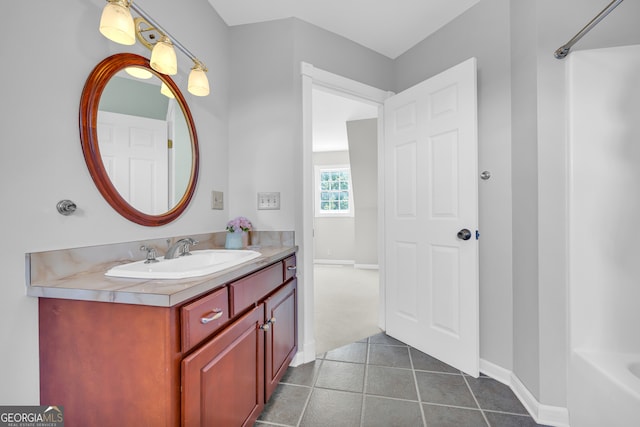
x,y
334,261
542,414
496,372
366,266
305,354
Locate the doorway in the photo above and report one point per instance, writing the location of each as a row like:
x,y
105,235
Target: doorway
x,y
344,175
313,78
436,119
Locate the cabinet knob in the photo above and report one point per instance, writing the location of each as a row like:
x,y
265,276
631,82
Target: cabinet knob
x,y
217,313
292,268
267,324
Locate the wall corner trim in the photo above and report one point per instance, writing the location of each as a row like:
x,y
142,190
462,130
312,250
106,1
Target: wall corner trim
x,y
542,414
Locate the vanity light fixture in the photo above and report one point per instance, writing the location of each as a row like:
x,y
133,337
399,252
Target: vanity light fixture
x,y
118,25
163,57
116,22
198,82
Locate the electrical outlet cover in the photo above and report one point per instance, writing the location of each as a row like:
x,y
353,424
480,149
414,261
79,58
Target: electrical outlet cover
x,y
269,201
217,200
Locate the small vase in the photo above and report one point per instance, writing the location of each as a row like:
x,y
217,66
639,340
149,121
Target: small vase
x,y
234,241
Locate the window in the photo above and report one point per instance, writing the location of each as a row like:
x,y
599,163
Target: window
x,y
334,194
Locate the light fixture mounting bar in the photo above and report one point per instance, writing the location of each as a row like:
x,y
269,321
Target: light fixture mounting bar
x,y
155,24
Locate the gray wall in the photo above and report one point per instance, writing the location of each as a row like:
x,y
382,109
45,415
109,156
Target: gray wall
x,y
522,142
263,152
363,152
525,195
482,32
42,160
135,98
353,238
266,109
334,237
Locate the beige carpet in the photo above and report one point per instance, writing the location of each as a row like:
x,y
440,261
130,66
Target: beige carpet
x,y
346,305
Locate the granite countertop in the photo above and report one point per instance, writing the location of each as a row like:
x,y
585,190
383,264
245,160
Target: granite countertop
x,y
93,285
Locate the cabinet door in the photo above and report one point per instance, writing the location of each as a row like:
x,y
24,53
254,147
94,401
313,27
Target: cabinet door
x,y
282,337
223,381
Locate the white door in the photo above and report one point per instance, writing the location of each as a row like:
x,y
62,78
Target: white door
x,y
135,154
431,195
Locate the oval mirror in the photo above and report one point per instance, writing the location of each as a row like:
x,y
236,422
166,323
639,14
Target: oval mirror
x,y
138,140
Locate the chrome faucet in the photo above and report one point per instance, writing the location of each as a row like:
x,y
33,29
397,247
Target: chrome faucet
x,y
180,248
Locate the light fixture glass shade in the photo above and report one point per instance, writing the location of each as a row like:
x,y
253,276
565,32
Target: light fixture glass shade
x,y
166,91
139,73
163,57
198,82
116,23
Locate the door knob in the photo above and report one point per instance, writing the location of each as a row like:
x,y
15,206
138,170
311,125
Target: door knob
x,y
464,234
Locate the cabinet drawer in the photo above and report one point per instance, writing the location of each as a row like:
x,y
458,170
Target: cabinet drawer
x,y
203,317
251,289
289,267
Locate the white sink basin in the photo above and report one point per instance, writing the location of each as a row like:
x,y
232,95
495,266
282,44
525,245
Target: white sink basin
x,y
199,263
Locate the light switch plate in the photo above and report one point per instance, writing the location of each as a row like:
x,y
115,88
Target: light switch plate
x,y
217,200
269,201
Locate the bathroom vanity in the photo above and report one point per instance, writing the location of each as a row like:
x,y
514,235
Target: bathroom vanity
x,y
209,354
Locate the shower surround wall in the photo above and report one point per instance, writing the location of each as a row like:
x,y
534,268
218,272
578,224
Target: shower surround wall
x,y
604,209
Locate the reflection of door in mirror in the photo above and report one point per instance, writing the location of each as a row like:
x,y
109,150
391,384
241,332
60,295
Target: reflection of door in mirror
x,y
145,143
134,154
180,158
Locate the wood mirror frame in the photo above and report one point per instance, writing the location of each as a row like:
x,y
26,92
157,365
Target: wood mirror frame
x,y
89,104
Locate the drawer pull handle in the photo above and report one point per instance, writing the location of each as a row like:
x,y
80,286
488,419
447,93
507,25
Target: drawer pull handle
x,y
292,267
217,313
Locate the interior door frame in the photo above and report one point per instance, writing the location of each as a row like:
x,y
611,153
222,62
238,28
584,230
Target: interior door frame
x,y
315,77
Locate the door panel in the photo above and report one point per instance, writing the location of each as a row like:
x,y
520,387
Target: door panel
x,y
405,189
445,280
282,338
431,194
444,171
135,154
406,297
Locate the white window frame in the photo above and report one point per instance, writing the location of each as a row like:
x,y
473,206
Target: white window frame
x,y
324,214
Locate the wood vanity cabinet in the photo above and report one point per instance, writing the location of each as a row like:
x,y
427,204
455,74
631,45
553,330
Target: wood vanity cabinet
x,y
281,342
222,381
211,361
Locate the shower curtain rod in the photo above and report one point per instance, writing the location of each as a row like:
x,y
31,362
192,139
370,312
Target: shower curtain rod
x,y
563,50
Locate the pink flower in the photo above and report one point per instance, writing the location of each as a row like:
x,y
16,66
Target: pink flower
x,y
239,224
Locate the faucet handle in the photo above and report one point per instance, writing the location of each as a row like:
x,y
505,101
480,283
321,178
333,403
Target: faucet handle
x,y
151,254
187,246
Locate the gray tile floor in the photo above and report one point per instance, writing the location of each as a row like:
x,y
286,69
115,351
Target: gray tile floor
x,y
380,381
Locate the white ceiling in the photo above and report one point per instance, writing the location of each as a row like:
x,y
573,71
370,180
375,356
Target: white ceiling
x,y
330,114
389,27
